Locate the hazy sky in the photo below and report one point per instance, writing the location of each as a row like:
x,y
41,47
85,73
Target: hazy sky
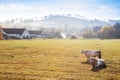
x,y
91,9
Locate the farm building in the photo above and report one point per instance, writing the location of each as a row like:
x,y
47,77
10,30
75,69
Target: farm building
x,y
61,35
36,34
68,35
74,36
15,33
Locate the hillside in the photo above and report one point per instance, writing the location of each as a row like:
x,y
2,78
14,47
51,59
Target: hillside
x,y
66,23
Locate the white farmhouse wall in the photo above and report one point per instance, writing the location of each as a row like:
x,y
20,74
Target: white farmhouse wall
x,y
16,35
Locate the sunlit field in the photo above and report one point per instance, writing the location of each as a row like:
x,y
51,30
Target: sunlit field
x,y
56,59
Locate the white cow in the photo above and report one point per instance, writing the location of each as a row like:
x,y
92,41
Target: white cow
x,y
91,53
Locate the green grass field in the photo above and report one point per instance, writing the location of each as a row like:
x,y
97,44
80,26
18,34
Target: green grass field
x,y
54,59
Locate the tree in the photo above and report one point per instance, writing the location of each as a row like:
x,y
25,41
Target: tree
x,y
88,34
96,29
107,32
117,30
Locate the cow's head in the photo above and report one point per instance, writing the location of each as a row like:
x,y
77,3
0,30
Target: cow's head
x,y
93,61
82,51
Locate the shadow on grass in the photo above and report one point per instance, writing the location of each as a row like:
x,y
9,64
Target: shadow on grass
x,y
97,69
86,62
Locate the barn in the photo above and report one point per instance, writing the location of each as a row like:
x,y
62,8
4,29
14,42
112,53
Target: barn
x,y
74,36
35,34
15,33
61,35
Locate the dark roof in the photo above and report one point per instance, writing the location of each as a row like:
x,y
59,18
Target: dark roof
x,y
35,32
13,30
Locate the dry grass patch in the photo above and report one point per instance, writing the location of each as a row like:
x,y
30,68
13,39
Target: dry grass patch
x,y
56,60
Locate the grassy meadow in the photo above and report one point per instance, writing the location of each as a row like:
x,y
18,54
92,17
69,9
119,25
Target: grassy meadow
x,y
56,59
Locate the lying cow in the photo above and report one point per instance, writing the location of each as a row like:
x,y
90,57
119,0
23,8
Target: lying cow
x,y
91,53
97,63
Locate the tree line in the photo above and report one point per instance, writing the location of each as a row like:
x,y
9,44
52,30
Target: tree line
x,y
106,32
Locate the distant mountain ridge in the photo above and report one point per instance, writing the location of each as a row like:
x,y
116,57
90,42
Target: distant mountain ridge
x,y
65,22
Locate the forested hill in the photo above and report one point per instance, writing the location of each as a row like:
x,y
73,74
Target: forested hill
x,y
58,21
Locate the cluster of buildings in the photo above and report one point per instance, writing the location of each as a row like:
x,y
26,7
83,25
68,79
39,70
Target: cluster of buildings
x,y
18,33
22,33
